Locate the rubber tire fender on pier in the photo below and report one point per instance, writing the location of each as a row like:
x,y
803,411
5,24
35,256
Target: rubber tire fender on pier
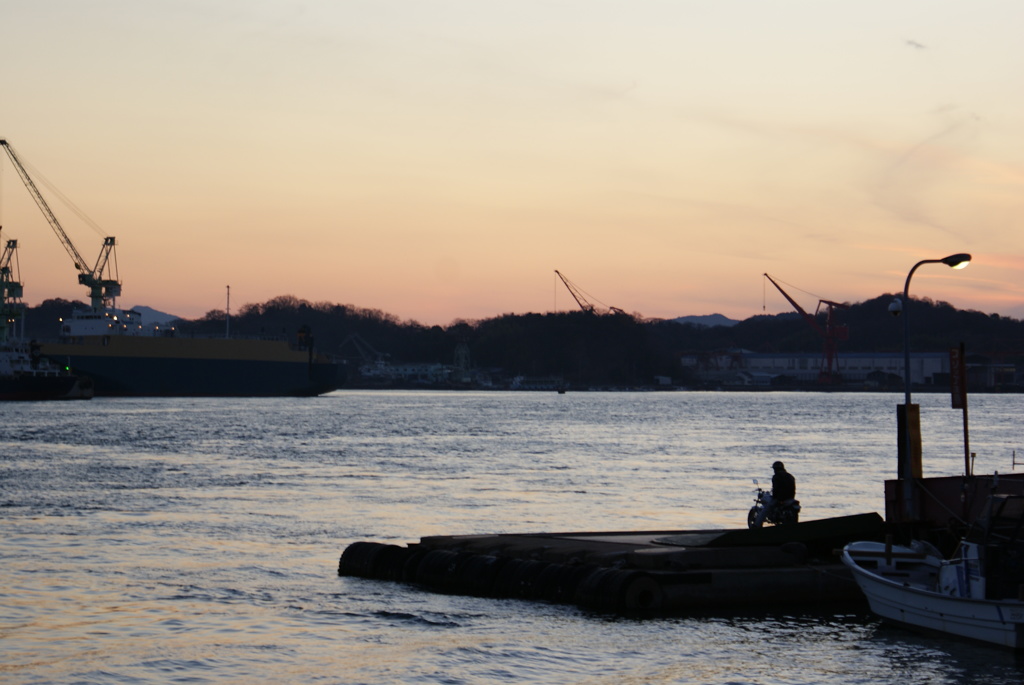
x,y
437,570
476,574
365,559
618,590
519,578
558,582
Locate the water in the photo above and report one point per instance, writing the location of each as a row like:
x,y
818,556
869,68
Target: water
x,y
197,540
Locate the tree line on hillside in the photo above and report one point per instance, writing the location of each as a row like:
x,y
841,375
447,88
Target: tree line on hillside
x,y
585,348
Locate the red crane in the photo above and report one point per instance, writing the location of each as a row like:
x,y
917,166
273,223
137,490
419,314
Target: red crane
x,y
831,332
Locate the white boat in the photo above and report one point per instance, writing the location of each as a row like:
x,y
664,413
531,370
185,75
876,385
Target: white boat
x,y
975,594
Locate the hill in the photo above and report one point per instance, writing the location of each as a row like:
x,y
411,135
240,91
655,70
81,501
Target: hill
x,y
708,320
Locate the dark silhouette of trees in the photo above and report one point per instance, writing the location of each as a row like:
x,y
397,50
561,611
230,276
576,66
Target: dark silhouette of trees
x,y
584,348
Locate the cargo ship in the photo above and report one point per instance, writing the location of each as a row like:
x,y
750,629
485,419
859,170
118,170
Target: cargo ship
x,y
120,356
123,358
196,367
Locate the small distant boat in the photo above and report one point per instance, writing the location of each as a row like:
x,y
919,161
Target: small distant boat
x,y
26,375
975,594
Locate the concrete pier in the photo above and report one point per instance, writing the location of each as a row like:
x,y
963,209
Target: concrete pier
x,y
635,571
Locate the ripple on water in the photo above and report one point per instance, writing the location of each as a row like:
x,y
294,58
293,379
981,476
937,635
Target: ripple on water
x,y
199,542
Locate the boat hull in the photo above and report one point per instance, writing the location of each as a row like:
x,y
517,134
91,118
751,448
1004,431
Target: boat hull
x,y
26,376
129,366
33,388
893,596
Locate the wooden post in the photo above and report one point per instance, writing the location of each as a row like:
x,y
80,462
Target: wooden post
x,y
958,393
908,430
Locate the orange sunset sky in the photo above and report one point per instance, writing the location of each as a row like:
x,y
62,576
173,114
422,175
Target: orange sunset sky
x,y
439,160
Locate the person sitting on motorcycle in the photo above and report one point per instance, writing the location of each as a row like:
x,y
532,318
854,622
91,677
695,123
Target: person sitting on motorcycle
x,y
783,488
783,483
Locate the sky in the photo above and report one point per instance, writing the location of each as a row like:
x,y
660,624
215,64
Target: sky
x,y
439,160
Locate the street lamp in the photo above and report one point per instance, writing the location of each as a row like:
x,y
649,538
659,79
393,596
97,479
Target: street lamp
x,y
956,261
912,428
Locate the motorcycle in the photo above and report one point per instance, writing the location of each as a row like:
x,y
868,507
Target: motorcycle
x,y
779,513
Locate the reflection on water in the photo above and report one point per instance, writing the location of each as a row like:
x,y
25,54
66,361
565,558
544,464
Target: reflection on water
x,y
179,539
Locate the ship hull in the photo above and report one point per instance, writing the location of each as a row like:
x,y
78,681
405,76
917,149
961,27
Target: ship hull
x,y
33,388
136,366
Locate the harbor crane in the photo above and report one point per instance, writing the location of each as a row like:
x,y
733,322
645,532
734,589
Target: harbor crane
x,y
101,280
11,290
831,332
581,299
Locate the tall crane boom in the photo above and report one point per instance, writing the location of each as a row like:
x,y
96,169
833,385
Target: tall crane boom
x,y
581,300
576,293
101,280
831,332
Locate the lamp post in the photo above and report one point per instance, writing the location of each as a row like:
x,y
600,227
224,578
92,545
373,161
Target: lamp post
x,y
910,421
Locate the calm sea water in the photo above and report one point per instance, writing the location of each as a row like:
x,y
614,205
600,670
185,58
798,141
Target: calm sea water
x,y
197,540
